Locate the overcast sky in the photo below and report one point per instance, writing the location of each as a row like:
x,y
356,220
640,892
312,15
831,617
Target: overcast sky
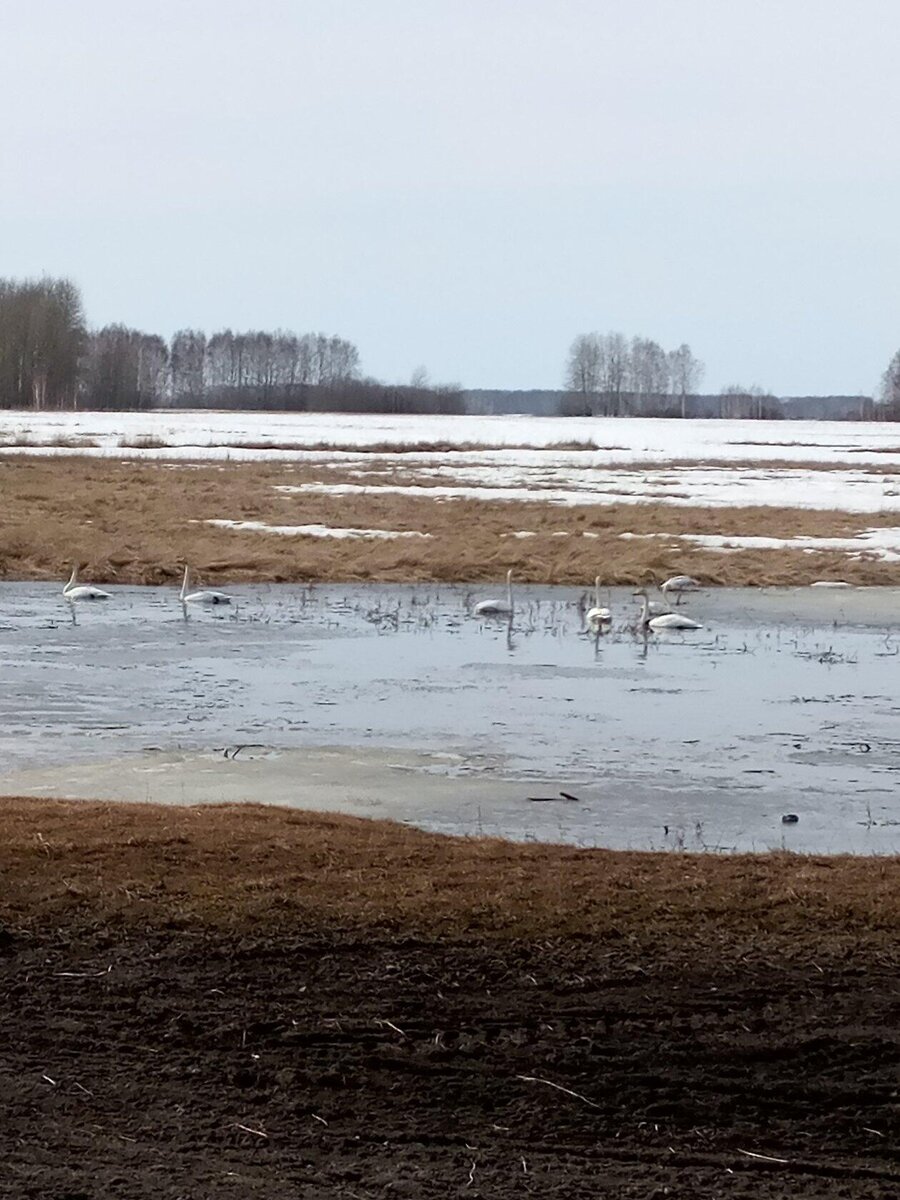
x,y
467,184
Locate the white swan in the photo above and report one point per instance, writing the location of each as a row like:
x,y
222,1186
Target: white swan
x,y
497,608
597,616
74,590
207,598
679,584
664,620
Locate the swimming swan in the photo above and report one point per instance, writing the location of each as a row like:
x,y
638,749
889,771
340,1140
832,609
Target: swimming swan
x,y
207,598
664,620
597,616
74,590
679,584
497,608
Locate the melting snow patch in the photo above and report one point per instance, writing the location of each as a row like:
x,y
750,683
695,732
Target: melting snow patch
x,y
882,544
316,531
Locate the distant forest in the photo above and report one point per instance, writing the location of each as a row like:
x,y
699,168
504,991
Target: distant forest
x,y
51,359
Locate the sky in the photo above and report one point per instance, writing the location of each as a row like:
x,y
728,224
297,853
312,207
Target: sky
x,y
466,185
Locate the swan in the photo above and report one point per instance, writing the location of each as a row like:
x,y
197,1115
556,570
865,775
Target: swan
x,y
497,608
74,590
597,616
664,620
679,584
207,597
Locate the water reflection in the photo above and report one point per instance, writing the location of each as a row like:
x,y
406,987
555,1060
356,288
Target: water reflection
x,y
685,739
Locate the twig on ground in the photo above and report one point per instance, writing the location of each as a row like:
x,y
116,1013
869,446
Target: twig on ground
x,y
558,1087
82,974
390,1025
256,1132
763,1157
471,1178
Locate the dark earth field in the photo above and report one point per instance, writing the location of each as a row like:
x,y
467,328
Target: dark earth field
x,y
258,1003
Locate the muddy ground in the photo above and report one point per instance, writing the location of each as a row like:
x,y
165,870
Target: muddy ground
x,y
252,1002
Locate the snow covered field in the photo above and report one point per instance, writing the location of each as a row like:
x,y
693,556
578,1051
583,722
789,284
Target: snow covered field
x,y
854,467
624,440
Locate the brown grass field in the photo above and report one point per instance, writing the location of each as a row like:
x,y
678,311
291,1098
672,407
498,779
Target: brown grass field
x,y
140,863
254,1002
135,522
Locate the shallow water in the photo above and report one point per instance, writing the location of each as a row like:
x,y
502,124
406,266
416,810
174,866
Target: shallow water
x,y
786,701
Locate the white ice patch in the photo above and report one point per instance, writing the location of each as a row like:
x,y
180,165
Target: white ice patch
x,y
715,487
315,531
880,544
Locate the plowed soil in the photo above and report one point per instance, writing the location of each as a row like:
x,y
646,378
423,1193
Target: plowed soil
x,y
258,1003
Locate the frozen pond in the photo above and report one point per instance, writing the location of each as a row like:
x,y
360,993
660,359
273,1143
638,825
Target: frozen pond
x,y
394,701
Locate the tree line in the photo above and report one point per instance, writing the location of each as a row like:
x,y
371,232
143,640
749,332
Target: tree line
x,y
608,374
50,359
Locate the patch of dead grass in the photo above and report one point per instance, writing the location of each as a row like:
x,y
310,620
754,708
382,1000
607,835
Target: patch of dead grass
x,y
255,866
137,522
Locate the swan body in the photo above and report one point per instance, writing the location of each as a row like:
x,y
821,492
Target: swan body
x,y
597,616
74,590
206,597
679,584
672,621
669,620
497,608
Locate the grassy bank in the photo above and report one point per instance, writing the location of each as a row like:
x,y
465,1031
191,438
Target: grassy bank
x,y
258,866
135,522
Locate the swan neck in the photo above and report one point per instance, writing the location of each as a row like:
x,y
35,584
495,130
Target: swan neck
x,y
184,582
72,579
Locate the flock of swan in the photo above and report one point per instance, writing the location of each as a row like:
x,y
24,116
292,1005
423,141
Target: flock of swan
x,y
73,592
655,616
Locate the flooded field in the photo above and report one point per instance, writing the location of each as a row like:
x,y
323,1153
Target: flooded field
x,y
396,701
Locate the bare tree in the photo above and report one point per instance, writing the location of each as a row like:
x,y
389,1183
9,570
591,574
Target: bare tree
x,y
751,402
890,383
41,342
616,367
686,373
123,369
188,367
584,370
648,374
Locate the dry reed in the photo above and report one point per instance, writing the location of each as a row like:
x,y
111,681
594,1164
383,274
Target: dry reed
x,y
136,521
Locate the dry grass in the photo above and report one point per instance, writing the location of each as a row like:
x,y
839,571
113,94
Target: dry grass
x,y
262,867
135,522
60,441
143,441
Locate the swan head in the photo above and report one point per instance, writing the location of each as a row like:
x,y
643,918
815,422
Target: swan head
x,y
509,575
